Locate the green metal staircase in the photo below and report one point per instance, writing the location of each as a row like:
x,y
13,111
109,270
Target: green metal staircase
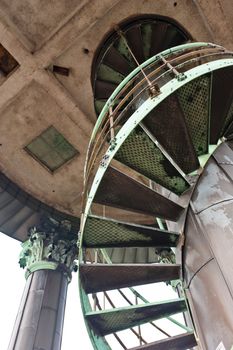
x,y
149,145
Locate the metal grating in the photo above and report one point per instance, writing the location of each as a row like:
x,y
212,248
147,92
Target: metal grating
x,y
110,321
121,191
140,153
167,124
51,149
194,99
101,233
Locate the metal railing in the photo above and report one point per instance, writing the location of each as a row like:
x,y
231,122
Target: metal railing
x,y
137,87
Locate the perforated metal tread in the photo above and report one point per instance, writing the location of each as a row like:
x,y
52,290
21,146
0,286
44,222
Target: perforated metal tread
x,y
103,233
179,342
121,191
101,277
167,124
110,321
194,99
141,154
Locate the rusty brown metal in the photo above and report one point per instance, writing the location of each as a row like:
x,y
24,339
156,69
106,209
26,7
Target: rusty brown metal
x,y
100,277
115,320
121,65
104,89
182,341
167,124
121,191
221,99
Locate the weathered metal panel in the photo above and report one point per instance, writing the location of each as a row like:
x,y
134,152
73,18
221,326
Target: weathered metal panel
x,y
213,186
212,306
121,191
110,321
197,251
167,124
182,341
140,153
100,277
208,252
102,233
221,99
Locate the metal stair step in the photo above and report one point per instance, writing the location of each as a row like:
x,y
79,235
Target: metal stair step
x,y
121,191
135,41
167,124
221,100
111,321
115,60
101,277
103,233
140,153
194,99
104,89
179,342
139,255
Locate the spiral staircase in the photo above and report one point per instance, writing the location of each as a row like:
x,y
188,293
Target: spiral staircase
x,y
158,125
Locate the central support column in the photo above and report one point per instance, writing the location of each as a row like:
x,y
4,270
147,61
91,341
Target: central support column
x,y
208,268
48,257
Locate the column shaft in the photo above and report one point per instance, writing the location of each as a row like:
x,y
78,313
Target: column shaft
x,y
40,318
208,268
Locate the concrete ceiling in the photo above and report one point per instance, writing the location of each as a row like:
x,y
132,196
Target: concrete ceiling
x,y
40,34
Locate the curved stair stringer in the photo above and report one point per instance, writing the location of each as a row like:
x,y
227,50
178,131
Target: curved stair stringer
x,y
110,187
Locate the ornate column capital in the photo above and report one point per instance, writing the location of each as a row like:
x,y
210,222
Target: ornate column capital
x,y
52,245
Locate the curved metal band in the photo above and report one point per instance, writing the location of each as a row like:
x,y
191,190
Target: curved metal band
x,y
140,114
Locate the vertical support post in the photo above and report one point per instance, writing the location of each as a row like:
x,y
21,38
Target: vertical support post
x,y
48,257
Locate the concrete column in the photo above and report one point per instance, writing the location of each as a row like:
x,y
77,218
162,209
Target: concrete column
x,y
48,258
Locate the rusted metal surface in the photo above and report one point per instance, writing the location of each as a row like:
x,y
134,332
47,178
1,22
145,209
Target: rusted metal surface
x,y
211,188
103,233
183,341
115,60
99,277
197,251
211,305
167,124
207,252
104,89
140,153
135,42
157,37
110,321
121,191
221,99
